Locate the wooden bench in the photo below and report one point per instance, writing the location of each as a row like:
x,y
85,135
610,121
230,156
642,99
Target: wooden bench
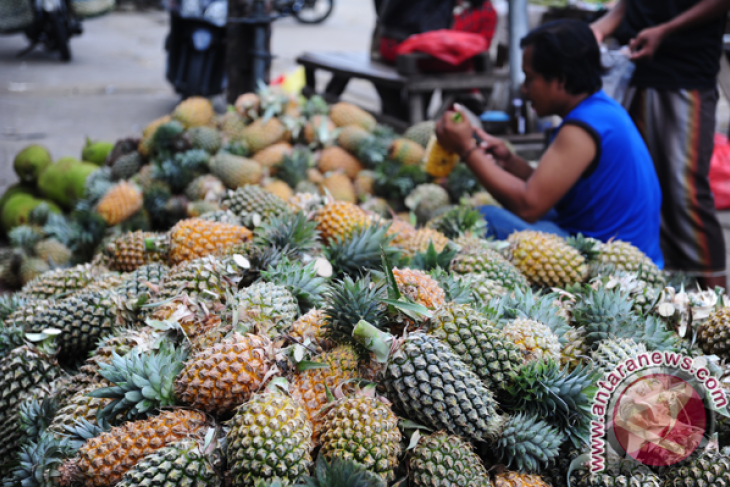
x,y
403,89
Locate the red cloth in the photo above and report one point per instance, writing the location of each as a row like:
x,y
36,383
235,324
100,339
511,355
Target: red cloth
x,y
450,46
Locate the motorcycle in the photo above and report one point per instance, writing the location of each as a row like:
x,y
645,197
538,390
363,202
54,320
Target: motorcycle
x,y
50,23
307,11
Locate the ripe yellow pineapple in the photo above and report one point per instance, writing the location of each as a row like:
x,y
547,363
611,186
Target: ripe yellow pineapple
x,y
344,114
307,330
420,240
195,111
279,188
352,138
309,387
340,187
127,252
260,135
272,155
119,203
401,230
420,287
145,143
515,479
338,159
546,259
406,152
104,459
437,161
339,219
364,182
193,238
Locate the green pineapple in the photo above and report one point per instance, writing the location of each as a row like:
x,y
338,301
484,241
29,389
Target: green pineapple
x,y
622,256
710,468
293,167
60,282
53,251
40,462
338,472
205,138
143,281
32,267
35,415
574,350
447,461
482,288
489,263
426,199
421,132
126,166
459,221
199,278
612,352
206,187
360,251
302,281
254,205
477,342
528,443
270,306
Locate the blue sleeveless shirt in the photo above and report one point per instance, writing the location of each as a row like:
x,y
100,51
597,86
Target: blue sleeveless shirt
x,y
618,196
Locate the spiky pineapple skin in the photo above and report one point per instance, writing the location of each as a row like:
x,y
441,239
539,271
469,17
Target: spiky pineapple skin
x,y
437,161
447,461
625,257
309,330
198,278
195,111
338,220
127,252
103,460
194,238
613,352
309,387
77,407
515,479
224,376
420,287
267,304
536,340
547,260
490,263
420,241
119,203
253,202
710,469
365,430
712,334
269,437
60,282
142,281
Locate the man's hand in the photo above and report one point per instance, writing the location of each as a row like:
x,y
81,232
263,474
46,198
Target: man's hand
x,y
455,136
646,43
494,146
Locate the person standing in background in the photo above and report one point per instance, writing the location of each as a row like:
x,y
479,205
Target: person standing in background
x,y
676,45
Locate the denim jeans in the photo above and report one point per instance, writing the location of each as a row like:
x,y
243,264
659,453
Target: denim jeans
x,y
501,223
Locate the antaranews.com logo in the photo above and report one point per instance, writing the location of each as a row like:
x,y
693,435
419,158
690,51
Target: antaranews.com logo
x,y
655,409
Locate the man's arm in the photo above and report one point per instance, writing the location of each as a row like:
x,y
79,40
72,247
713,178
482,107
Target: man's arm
x,y
507,160
648,40
560,167
606,25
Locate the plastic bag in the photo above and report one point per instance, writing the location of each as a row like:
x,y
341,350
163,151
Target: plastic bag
x,y
720,172
620,70
450,46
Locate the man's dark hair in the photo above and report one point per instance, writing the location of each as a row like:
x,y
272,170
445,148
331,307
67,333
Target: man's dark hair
x,y
566,50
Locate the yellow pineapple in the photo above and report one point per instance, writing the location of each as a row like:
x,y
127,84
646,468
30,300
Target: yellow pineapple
x,y
195,111
279,188
420,240
547,260
515,479
193,238
363,183
344,114
340,186
406,152
119,203
147,134
260,135
535,339
308,331
233,126
401,230
420,287
437,161
339,219
273,155
338,159
317,127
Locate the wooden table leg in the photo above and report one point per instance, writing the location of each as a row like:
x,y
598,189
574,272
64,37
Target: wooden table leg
x,y
415,107
311,82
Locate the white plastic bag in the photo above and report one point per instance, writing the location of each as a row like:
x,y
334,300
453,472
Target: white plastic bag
x,y
620,69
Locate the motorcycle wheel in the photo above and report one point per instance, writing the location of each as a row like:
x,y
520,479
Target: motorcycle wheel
x,y
61,35
314,11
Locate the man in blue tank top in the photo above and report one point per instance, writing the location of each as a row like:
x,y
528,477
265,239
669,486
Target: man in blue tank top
x,y
596,177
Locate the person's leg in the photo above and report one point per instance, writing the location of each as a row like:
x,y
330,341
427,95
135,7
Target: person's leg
x,y
501,223
678,127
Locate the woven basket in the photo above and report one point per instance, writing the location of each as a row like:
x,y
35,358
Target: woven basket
x,y
15,15
92,8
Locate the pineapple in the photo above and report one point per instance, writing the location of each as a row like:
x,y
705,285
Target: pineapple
x,y
51,250
437,161
128,252
272,156
426,199
710,469
319,130
575,350
279,188
188,463
623,256
232,126
515,479
432,385
401,231
338,220
197,208
421,132
195,111
353,138
206,188
447,461
254,205
421,239
78,407
248,105
235,171
363,429
195,238
334,159
547,260
483,289
536,340
221,216
339,186
478,343
259,134
712,334
419,287
343,114
269,305
104,459
145,144
270,436
60,282
305,201
459,221
200,278
490,264
528,443
364,189
32,267
308,330
205,138
613,352
309,387
224,376
121,202
406,152
360,251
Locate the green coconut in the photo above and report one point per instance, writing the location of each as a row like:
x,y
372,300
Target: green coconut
x,y
96,152
18,207
30,162
17,188
63,182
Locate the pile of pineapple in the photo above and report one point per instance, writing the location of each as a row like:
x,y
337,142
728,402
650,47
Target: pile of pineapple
x,y
312,342
184,164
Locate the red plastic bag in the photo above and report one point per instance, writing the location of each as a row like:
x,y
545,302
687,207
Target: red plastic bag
x,y
720,172
450,46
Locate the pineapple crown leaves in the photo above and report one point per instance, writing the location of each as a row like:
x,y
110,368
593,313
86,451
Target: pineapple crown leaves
x,y
528,443
142,381
456,290
341,472
564,397
361,251
39,214
348,302
35,415
9,304
536,307
316,105
459,221
39,462
432,260
301,280
25,237
590,248
293,168
397,181
83,430
11,338
58,227
292,229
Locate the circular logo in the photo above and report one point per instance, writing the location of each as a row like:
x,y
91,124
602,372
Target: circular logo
x,y
659,419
